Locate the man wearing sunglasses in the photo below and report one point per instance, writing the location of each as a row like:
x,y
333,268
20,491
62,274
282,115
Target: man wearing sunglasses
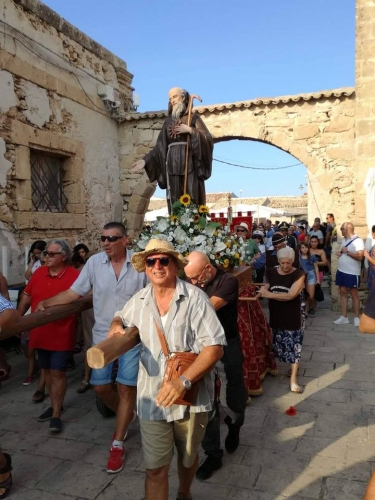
x,y
222,289
251,248
53,341
113,281
186,318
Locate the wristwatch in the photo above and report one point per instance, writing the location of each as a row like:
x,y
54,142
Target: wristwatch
x,y
186,383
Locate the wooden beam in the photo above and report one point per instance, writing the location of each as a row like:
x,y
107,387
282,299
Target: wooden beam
x,y
40,318
110,349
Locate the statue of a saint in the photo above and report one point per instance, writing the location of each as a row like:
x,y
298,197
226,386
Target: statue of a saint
x,y
165,163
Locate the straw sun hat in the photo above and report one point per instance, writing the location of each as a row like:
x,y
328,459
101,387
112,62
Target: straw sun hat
x,y
156,246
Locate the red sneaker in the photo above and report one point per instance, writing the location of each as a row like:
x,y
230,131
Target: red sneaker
x,y
116,460
28,380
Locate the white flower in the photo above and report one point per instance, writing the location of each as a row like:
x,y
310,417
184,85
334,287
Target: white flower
x,y
212,256
170,238
227,251
198,240
219,247
216,261
160,236
142,244
185,220
180,235
162,224
209,230
191,230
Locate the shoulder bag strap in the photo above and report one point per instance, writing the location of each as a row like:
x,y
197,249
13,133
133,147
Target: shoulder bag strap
x,y
162,339
351,241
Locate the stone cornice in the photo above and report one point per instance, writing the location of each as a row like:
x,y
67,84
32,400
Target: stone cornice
x,y
51,17
341,93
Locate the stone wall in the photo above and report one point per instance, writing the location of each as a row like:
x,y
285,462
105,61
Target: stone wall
x,y
49,103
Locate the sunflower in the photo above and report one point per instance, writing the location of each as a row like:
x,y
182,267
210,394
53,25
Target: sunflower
x,y
174,218
236,255
185,199
203,209
226,263
196,218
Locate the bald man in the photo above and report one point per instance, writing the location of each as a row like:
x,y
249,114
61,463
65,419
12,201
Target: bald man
x,y
165,163
349,271
222,288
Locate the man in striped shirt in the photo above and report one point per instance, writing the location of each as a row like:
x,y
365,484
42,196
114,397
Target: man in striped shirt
x,y
189,323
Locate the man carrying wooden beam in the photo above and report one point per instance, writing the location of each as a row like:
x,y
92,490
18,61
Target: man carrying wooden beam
x,y
113,281
173,316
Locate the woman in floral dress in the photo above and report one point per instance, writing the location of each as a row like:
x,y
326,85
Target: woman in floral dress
x,y
283,290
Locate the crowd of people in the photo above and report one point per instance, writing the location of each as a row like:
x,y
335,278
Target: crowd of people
x,y
197,314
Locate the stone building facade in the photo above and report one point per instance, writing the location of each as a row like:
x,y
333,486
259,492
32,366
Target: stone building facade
x,y
55,127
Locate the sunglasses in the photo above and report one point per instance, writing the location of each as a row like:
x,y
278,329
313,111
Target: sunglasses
x,y
51,254
240,230
111,239
151,261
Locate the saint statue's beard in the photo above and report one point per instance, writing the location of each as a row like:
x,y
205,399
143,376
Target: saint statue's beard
x,y
178,110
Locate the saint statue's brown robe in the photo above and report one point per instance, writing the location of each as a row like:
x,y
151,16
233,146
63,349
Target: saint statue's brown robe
x,y
165,163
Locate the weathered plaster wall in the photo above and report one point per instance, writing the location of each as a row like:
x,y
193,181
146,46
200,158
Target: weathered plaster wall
x,y
43,106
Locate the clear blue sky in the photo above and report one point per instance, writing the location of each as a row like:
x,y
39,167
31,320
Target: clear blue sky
x,y
227,51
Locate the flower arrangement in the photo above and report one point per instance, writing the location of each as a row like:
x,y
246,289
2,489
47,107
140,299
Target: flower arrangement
x,y
189,229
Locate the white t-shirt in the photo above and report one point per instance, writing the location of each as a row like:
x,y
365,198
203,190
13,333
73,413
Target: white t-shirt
x,y
317,233
347,264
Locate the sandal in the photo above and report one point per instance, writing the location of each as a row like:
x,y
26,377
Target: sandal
x,y
296,388
38,396
83,387
4,373
7,483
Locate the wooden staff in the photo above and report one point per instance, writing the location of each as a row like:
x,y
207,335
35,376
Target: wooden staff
x,y
25,323
190,107
110,349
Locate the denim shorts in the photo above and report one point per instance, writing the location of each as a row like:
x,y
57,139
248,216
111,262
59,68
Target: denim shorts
x,y
127,373
311,277
53,360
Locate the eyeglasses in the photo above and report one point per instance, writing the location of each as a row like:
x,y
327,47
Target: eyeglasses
x,y
240,230
198,279
151,261
111,239
51,254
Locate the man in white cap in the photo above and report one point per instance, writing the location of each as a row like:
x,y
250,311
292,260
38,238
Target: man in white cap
x,y
251,249
189,323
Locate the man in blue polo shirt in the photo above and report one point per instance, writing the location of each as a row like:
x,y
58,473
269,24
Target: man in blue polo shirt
x,y
113,281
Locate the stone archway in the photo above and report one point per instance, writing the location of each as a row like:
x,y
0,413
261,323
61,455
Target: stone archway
x,y
317,129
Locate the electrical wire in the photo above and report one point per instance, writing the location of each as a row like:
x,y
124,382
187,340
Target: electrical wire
x,y
257,168
34,48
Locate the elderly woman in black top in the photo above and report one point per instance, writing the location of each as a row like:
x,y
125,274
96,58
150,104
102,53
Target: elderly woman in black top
x,y
283,290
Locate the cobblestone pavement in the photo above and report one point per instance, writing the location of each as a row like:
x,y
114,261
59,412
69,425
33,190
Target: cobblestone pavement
x,y
325,452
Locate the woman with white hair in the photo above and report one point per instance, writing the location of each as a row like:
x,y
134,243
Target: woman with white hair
x,y
283,290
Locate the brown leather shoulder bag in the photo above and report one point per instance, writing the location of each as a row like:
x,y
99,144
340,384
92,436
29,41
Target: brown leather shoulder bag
x,y
175,365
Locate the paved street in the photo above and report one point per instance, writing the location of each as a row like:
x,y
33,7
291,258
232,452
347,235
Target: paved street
x,y
326,451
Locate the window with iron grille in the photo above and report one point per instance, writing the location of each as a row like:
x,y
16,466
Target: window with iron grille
x,y
47,190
